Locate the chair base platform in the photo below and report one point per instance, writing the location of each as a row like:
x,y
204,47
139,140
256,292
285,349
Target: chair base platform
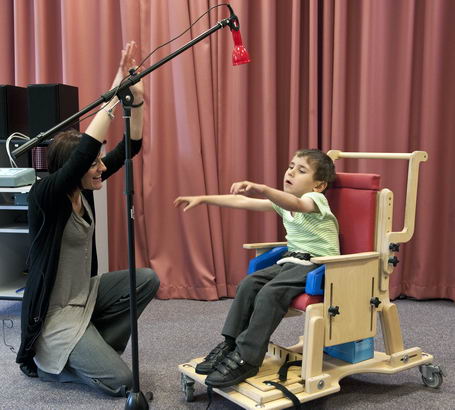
x,y
254,394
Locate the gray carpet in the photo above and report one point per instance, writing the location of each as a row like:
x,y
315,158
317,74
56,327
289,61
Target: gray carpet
x,y
173,331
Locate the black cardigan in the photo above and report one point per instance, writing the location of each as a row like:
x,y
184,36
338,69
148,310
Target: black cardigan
x,y
48,213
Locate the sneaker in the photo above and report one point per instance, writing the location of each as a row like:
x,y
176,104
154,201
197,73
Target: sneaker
x,y
214,358
232,370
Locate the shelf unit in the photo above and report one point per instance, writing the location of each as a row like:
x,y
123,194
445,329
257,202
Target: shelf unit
x,y
14,242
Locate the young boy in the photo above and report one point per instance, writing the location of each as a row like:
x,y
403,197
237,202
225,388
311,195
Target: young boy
x,y
263,298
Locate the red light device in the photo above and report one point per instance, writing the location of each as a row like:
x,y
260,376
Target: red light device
x,y
239,53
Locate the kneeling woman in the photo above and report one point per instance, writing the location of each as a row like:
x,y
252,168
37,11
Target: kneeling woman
x,y
75,323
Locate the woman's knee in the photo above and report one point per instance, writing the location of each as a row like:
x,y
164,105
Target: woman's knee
x,y
147,280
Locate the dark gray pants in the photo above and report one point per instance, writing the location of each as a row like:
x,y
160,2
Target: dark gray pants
x,y
95,360
260,304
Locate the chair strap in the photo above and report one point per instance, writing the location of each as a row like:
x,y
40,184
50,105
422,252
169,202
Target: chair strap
x,y
283,372
291,396
210,396
298,255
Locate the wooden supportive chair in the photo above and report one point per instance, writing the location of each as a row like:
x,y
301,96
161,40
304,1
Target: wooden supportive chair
x,y
341,301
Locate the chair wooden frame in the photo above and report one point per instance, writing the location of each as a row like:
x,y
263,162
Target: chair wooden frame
x,y
351,282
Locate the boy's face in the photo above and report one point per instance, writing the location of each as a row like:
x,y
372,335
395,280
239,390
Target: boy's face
x,y
299,178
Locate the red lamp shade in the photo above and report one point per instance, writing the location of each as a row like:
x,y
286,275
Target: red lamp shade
x,y
239,53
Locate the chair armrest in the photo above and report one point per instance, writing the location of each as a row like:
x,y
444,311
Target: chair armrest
x,y
343,258
263,247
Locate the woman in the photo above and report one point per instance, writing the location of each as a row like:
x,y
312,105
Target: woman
x,y
75,323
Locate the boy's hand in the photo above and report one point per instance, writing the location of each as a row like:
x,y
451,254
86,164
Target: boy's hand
x,y
190,201
247,188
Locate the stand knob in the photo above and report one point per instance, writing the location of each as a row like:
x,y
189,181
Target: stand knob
x,y
334,310
394,261
394,247
375,302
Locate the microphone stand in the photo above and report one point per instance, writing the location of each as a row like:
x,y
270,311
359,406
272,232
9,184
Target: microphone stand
x,y
136,399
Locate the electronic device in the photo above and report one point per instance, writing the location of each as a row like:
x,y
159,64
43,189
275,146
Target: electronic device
x,y
15,177
50,104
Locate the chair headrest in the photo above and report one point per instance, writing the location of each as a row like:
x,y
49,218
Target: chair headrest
x,y
357,181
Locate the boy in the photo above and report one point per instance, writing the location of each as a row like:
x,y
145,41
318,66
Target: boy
x,y
263,298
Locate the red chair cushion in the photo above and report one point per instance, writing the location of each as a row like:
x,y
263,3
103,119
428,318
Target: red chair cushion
x,y
353,201
302,301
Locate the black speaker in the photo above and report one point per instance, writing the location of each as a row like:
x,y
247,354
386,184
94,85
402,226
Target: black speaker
x,y
50,104
13,110
24,161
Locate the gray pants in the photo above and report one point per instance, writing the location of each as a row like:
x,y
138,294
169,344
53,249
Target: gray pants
x,y
95,360
260,304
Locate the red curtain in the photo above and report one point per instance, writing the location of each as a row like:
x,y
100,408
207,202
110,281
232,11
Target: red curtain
x,y
389,67
335,74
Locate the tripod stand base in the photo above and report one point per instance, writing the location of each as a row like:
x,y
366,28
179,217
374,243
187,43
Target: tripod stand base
x,y
138,401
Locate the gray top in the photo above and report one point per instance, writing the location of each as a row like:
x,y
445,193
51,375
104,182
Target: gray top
x,y
73,296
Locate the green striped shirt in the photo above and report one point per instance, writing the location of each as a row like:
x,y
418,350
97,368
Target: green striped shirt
x,y
315,233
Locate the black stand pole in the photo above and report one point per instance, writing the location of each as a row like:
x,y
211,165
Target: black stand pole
x,y
136,399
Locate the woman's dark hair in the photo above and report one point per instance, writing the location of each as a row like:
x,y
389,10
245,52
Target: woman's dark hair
x,y
324,169
60,149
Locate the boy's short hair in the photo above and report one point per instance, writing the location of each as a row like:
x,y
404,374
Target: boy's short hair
x,y
324,168
60,149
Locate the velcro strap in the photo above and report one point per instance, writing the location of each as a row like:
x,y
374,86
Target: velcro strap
x,y
291,396
232,364
227,365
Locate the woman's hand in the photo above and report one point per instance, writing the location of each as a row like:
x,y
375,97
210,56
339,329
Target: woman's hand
x,y
99,126
127,61
188,201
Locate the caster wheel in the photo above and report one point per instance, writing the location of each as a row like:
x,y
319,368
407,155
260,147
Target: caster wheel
x,y
434,381
187,385
432,376
189,393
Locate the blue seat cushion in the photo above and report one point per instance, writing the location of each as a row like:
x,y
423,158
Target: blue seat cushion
x,y
267,259
315,278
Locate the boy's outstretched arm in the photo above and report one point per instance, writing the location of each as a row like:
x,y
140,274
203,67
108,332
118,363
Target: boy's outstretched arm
x,y
282,199
227,201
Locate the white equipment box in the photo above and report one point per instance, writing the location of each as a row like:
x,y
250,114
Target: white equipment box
x,y
14,177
